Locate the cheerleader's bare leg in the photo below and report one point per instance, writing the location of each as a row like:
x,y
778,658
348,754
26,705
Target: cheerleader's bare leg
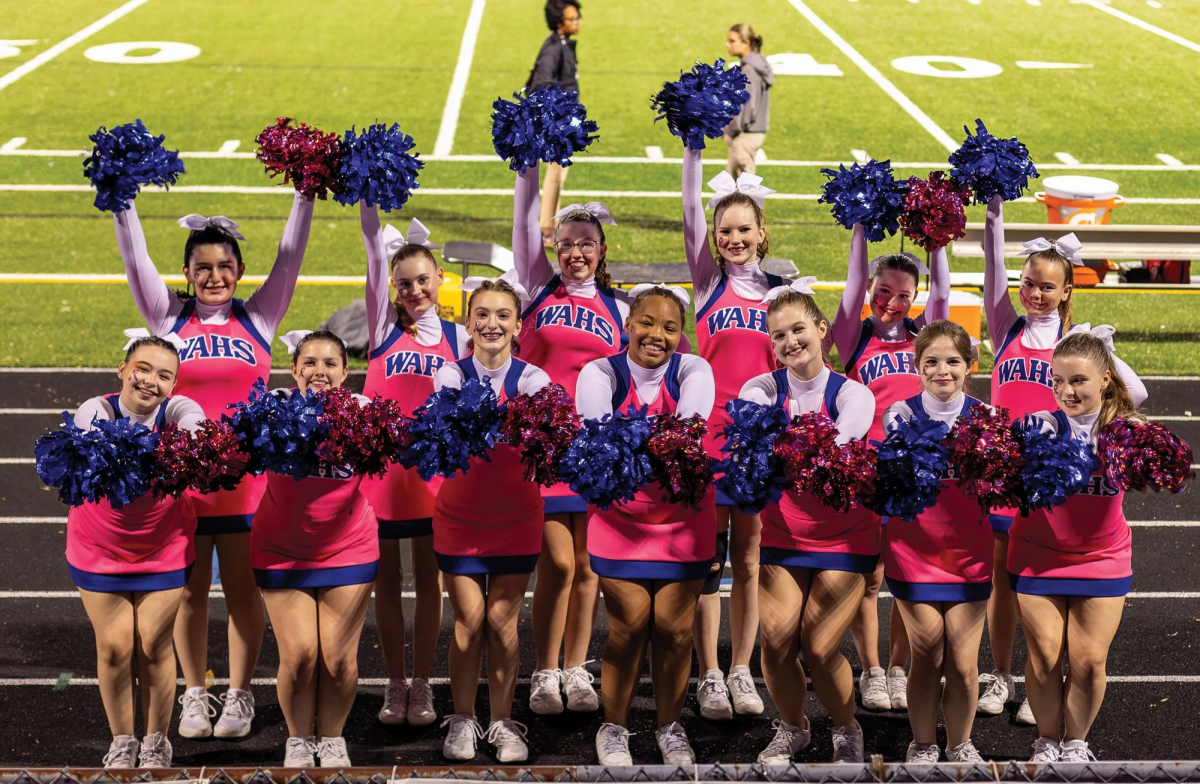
x,y
744,537
505,595
340,615
899,649
191,623
469,603
782,592
389,607
552,593
1091,625
112,620
154,613
964,632
245,607
865,626
293,615
427,615
674,607
1044,619
833,600
628,605
927,635
1002,608
584,596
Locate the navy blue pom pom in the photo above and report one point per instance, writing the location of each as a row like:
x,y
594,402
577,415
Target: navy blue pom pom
x,y
113,460
124,159
1055,466
753,477
702,102
910,466
866,193
992,166
453,426
550,125
377,167
607,461
280,431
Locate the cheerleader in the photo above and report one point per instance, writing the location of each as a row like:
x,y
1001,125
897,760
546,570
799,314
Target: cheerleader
x,y
315,552
228,348
409,342
488,551
815,561
878,352
1023,383
939,566
130,564
651,556
574,317
1071,566
731,330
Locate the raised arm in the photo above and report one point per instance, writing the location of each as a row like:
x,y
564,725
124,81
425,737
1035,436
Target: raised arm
x,y
937,307
267,306
847,324
706,275
1137,389
529,255
154,298
381,313
998,308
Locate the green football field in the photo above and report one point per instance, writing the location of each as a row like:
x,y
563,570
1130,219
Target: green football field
x,y
1101,87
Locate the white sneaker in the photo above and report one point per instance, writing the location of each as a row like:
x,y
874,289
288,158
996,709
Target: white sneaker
x,y
420,703
918,754
873,686
460,738
122,752
612,745
300,753
1025,714
581,695
1046,750
746,700
787,743
848,744
673,743
897,688
999,689
713,696
395,702
156,751
332,753
964,752
195,717
236,716
508,737
545,692
1076,751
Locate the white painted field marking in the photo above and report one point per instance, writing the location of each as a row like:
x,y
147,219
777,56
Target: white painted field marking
x,y
1037,65
1133,20
1169,160
229,146
31,411
33,521
164,52
458,85
873,73
11,47
1034,2
963,67
800,64
760,157
654,153
860,156
13,143
16,461
54,51
1173,418
1067,158
1154,4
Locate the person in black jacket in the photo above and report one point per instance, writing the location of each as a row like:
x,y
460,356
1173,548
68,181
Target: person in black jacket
x,y
555,63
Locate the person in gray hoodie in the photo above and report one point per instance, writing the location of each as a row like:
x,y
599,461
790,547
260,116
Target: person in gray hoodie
x,y
744,136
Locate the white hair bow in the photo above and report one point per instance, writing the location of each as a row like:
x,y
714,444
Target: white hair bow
x,y
1067,246
1102,332
473,282
593,208
417,234
293,338
800,285
678,292
197,222
141,333
750,184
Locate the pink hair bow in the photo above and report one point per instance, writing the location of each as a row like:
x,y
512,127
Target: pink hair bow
x,y
678,292
141,333
749,184
593,208
417,234
197,222
1067,246
801,285
293,338
1102,332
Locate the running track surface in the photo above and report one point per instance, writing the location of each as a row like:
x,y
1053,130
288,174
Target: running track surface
x,y
1148,712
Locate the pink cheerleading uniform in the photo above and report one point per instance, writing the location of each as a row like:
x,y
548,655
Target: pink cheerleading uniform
x,y
650,538
147,545
402,369
888,369
316,532
801,532
1082,548
946,553
489,520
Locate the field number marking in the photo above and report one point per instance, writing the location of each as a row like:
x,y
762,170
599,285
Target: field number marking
x,y
796,64
158,52
963,67
12,48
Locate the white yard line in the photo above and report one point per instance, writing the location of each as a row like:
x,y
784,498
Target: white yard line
x,y
14,143
54,51
17,461
458,85
873,73
1133,20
